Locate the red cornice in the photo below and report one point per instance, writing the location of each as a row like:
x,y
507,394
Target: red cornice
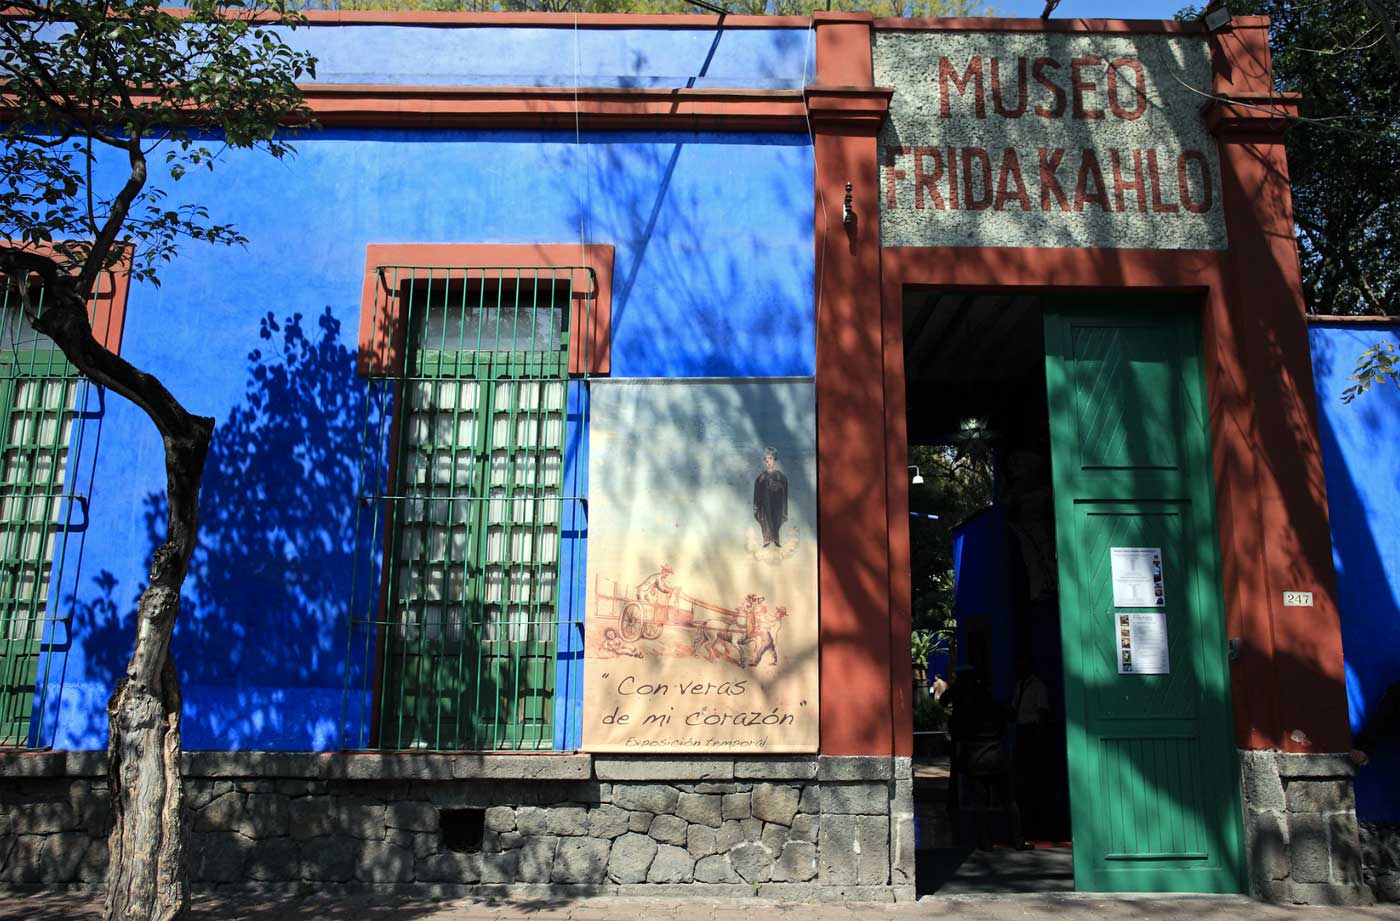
x,y
837,16
607,109
988,24
1363,321
555,20
1252,114
478,20
343,105
852,106
707,22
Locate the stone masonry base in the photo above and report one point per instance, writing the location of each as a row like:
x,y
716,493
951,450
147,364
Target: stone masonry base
x,y
1301,835
1380,859
522,825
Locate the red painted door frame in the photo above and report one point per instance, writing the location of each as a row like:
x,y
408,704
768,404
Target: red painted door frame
x,y
1287,685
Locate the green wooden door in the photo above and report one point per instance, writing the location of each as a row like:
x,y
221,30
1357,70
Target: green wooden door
x,y
1154,788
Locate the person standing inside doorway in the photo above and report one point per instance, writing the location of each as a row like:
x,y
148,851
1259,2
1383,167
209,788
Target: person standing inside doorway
x,y
1031,744
977,726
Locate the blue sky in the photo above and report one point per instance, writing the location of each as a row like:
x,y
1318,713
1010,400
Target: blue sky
x,y
1094,9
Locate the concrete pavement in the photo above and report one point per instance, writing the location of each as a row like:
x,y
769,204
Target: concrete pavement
x,y
1059,907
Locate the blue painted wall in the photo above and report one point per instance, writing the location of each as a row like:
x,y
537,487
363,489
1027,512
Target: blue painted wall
x,y
559,56
982,592
588,56
713,276
1361,457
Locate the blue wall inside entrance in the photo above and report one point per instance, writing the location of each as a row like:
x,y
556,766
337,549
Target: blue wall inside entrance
x,y
982,597
713,277
1361,457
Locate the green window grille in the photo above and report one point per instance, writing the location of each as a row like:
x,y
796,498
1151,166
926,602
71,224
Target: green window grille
x,y
466,623
38,395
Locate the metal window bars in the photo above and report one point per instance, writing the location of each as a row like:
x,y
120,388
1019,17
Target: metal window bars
x,y
40,428
455,596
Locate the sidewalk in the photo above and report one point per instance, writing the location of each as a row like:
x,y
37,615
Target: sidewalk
x,y
81,907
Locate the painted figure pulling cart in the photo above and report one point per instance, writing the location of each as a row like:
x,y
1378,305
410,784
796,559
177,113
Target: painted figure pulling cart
x,y
741,635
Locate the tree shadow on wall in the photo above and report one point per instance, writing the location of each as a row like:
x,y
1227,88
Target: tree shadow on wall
x,y
261,633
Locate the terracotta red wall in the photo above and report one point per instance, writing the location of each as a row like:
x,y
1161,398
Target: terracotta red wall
x,y
866,678
1289,685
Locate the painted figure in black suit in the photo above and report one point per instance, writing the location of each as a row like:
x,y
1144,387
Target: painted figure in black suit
x,y
770,499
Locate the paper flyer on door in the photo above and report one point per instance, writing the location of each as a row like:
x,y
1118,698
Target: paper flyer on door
x,y
1137,577
1141,640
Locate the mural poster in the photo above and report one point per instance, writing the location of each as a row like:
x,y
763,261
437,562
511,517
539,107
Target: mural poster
x,y
701,627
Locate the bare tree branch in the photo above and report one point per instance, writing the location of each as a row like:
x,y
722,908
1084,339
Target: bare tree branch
x,y
1387,24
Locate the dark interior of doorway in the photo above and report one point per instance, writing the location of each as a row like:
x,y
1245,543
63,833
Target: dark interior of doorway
x,y
978,429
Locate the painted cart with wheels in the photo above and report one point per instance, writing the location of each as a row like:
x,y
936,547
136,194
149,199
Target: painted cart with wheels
x,y
645,616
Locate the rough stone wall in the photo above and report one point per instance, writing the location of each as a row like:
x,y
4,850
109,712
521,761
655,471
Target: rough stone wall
x,y
795,828
54,830
1380,859
1301,835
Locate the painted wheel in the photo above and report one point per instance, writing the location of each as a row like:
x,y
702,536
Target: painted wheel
x,y
631,622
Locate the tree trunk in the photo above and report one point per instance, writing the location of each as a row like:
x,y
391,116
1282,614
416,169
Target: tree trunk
x,y
146,872
146,876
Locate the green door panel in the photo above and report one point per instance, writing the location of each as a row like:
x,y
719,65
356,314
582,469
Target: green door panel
x,y
1154,789
469,644
37,393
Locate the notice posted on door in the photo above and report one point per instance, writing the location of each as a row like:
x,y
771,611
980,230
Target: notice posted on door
x,y
1137,577
1141,641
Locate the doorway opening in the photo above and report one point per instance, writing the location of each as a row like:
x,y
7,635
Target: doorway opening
x,y
985,597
